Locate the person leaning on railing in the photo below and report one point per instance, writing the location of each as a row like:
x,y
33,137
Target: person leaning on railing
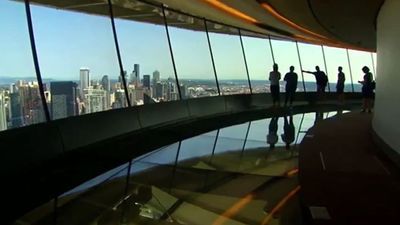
x,y
320,77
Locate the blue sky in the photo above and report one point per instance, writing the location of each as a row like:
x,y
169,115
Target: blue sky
x,y
67,41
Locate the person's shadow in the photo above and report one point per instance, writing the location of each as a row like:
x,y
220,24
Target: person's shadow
x,y
272,136
288,135
319,116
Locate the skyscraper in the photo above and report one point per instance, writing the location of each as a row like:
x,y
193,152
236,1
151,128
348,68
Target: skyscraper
x,y
84,81
159,90
119,99
184,91
63,96
15,110
135,75
155,80
31,104
146,81
3,118
105,83
95,100
156,77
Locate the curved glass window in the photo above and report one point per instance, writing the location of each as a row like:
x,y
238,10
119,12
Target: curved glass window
x,y
229,60
336,57
359,59
192,56
20,101
311,56
145,54
78,59
285,54
259,61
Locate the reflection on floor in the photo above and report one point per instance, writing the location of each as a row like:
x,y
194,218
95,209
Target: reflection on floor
x,y
242,174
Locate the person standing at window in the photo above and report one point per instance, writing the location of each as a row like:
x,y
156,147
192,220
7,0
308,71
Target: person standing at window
x,y
340,84
274,78
368,86
291,85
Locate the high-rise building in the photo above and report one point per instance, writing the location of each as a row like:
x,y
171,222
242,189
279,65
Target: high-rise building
x,y
95,100
13,88
119,99
105,83
30,102
159,90
3,115
146,81
63,99
184,91
15,110
156,77
171,90
84,81
135,75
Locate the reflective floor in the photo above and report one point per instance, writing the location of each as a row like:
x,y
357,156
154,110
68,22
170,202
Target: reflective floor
x,y
242,174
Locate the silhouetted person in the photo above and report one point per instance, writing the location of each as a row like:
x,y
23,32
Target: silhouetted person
x,y
320,77
288,131
291,86
272,137
274,77
367,89
340,84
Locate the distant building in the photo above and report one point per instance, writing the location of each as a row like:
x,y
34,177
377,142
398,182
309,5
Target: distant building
x,y
30,102
63,99
156,77
184,91
105,83
84,81
119,99
171,90
146,81
159,90
135,75
15,110
95,100
3,115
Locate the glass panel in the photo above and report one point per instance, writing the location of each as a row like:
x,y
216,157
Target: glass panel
x,y
285,53
78,60
336,57
229,61
103,202
145,54
196,151
192,56
20,102
229,147
311,56
259,62
163,156
96,181
257,134
358,60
